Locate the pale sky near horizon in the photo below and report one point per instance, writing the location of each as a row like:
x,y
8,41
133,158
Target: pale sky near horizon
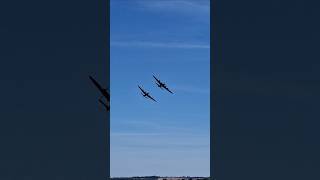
x,y
171,40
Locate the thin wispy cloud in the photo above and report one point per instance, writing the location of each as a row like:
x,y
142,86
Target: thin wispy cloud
x,y
162,146
155,128
191,89
126,134
155,140
199,6
146,44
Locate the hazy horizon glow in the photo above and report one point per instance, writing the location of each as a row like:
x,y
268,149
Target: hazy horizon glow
x,y
168,39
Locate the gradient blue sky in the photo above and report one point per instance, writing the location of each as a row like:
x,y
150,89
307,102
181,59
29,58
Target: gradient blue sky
x,y
170,39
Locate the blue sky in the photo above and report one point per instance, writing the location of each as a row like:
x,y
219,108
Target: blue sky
x,y
170,39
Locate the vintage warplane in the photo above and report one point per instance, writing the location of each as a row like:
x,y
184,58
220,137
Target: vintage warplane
x,y
146,94
103,92
162,85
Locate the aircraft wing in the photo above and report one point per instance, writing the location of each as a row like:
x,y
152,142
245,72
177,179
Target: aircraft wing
x,y
151,98
168,90
142,90
157,80
104,104
96,83
103,91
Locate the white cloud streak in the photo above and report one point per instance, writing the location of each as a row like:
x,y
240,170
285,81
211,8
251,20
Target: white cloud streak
x,y
145,44
132,134
154,129
199,6
191,89
142,140
124,134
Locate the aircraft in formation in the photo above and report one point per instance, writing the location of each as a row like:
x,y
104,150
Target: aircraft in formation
x,y
160,84
104,93
146,94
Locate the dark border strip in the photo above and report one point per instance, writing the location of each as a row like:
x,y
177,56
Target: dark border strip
x,y
108,87
213,75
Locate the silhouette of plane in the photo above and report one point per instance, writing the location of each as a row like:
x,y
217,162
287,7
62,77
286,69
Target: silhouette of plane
x,y
146,94
103,92
162,85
